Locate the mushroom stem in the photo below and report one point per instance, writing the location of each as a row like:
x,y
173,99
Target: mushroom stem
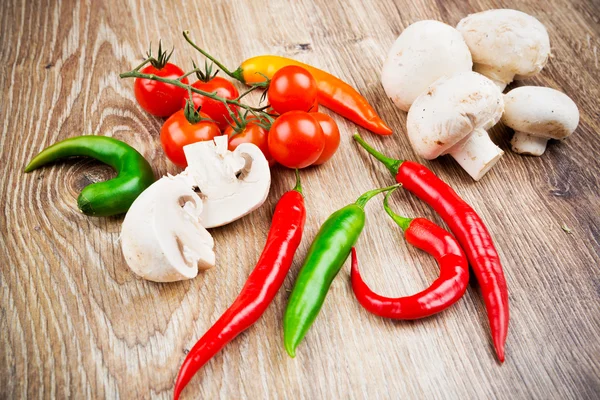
x,y
499,77
477,154
524,143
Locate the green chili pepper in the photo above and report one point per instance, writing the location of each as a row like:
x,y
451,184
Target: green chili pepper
x,y
111,197
327,254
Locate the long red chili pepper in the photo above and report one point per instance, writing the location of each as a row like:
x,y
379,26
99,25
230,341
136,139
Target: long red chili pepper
x,y
260,289
445,291
469,230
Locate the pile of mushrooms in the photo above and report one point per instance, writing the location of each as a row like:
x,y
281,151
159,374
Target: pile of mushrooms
x,y
450,80
164,236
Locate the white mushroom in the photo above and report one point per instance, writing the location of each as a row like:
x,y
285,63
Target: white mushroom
x,y
538,114
161,237
506,44
452,117
424,52
231,184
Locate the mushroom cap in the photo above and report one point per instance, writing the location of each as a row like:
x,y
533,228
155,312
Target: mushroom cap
x,y
507,43
161,237
450,110
540,111
424,52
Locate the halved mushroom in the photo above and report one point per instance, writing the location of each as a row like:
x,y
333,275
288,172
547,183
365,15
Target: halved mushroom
x,y
231,184
538,114
162,238
452,116
424,52
505,44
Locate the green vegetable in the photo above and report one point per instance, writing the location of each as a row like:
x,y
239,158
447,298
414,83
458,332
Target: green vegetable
x,y
111,197
325,258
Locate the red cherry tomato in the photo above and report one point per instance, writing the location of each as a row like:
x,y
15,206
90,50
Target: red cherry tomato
x,y
158,98
296,139
177,132
292,88
215,109
331,134
251,133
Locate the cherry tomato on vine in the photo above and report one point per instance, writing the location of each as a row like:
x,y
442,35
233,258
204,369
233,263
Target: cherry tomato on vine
x,y
158,98
178,131
215,109
296,139
292,88
251,133
331,134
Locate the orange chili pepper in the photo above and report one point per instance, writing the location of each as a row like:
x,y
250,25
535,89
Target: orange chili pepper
x,y
334,93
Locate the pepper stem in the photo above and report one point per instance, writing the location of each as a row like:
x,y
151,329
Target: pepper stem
x,y
391,164
237,74
362,200
403,222
298,187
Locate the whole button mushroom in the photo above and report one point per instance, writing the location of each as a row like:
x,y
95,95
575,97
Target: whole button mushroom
x,y
506,45
424,52
538,114
452,116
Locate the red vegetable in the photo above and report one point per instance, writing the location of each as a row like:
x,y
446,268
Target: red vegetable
x,y
469,230
215,109
260,289
247,131
443,292
159,98
292,88
296,139
182,128
331,133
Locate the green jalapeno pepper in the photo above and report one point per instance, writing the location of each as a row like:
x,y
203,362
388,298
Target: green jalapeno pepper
x,y
111,197
328,252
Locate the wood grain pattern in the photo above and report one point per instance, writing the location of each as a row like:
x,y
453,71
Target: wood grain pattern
x,y
75,322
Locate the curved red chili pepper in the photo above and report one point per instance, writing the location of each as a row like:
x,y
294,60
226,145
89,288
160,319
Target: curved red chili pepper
x,y
474,237
469,230
443,292
260,289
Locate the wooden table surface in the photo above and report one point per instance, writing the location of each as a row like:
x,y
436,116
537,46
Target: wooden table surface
x,y
75,322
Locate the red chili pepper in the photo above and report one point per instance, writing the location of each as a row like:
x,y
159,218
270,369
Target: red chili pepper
x,y
260,289
445,291
469,230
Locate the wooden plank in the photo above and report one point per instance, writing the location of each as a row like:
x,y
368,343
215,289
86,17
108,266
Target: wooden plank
x,y
76,322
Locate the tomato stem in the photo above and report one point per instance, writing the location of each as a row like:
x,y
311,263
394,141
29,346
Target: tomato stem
x,y
247,92
195,70
237,74
178,83
146,61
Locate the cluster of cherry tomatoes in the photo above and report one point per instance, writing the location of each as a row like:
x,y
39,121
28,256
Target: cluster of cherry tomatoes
x,y
290,131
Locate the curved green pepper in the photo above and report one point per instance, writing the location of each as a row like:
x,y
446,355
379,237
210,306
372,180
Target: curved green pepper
x,y
111,197
326,256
